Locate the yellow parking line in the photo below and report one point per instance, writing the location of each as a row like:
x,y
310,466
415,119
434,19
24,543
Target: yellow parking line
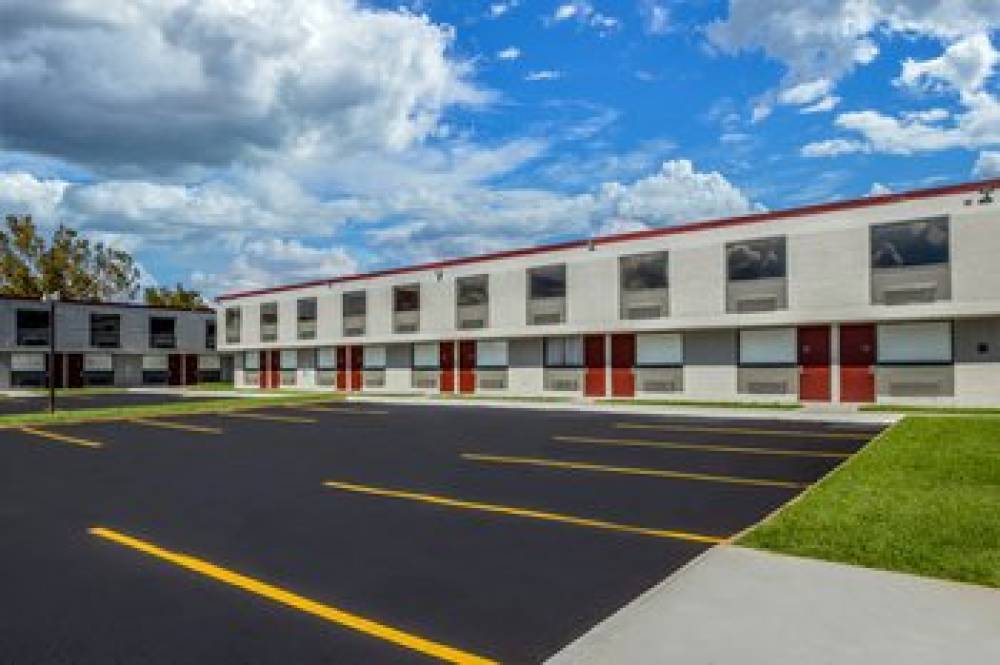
x,y
807,434
166,424
293,600
338,409
266,416
525,512
709,448
65,438
632,471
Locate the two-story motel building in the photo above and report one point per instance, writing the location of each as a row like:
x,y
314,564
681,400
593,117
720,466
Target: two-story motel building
x,y
107,344
890,298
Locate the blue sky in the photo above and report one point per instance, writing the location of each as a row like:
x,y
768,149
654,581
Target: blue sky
x,y
233,145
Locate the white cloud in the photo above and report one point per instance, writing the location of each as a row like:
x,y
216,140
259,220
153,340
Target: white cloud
x,y
964,67
806,93
824,40
97,81
828,103
509,53
987,165
498,9
257,262
655,17
584,13
878,189
543,75
833,147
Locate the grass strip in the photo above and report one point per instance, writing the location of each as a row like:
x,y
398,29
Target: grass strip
x,y
787,406
183,407
922,498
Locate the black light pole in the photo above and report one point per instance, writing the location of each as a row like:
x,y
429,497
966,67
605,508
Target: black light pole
x,y
52,298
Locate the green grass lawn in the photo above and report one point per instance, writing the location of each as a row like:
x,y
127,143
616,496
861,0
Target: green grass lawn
x,y
953,410
923,498
182,407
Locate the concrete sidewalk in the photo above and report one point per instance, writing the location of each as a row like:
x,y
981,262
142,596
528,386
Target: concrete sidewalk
x,y
737,605
805,414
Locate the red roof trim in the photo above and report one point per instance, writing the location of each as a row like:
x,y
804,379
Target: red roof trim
x,y
817,209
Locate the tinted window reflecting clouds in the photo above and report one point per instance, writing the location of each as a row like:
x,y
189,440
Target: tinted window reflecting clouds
x,y
644,271
548,282
473,290
756,259
918,243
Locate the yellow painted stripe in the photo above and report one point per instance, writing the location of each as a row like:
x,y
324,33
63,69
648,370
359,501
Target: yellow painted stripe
x,y
806,434
293,600
338,409
266,416
166,424
631,470
525,512
65,438
709,448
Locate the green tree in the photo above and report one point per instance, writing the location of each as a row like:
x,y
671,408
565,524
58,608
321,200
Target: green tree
x,y
67,264
178,297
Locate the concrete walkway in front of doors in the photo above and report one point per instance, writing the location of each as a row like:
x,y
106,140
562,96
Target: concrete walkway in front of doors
x,y
735,604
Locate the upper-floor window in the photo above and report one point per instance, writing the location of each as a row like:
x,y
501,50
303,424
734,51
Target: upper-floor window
x,y
355,308
306,318
547,294
472,295
105,331
756,272
233,323
269,322
406,308
32,327
210,334
644,285
162,332
910,262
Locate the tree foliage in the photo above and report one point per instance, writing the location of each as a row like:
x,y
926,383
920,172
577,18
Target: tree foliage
x,y
67,264
177,297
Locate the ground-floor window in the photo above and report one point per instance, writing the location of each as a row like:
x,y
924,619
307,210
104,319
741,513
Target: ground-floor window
x,y
251,368
209,368
326,366
155,369
492,360
659,362
289,362
915,359
768,362
563,364
27,370
426,366
374,359
98,369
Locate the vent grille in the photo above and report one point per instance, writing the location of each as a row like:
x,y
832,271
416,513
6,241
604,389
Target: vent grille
x,y
492,384
564,384
767,387
660,387
915,389
653,312
406,327
918,294
424,383
354,332
473,323
768,304
543,319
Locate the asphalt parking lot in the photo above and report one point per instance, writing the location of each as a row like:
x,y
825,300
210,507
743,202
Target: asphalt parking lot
x,y
368,533
39,402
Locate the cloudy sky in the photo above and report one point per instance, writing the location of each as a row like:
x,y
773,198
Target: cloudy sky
x,y
239,143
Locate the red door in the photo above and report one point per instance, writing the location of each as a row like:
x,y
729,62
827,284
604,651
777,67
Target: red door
x,y
594,360
174,369
857,356
467,366
191,370
341,368
357,360
263,380
622,362
275,367
447,367
814,360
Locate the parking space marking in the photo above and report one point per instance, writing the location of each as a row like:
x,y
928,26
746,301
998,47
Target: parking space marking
x,y
709,448
293,600
166,424
266,416
525,512
65,438
632,471
808,434
338,409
